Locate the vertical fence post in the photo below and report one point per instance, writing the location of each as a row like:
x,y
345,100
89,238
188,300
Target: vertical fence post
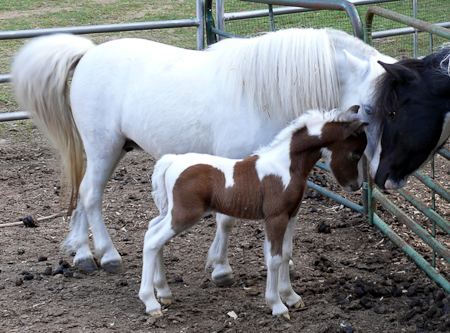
x,y
200,13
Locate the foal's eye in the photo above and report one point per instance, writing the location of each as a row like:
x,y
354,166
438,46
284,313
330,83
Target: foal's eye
x,y
356,157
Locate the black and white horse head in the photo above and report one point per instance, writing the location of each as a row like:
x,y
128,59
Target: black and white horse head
x,y
412,116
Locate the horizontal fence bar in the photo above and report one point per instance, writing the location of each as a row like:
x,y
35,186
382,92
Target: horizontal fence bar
x,y
334,196
225,34
432,184
412,254
402,31
5,78
323,166
430,213
11,116
400,18
444,153
233,16
90,29
411,224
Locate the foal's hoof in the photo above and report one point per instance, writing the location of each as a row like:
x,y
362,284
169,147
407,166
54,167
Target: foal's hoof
x,y
224,281
113,267
156,313
286,316
86,265
300,306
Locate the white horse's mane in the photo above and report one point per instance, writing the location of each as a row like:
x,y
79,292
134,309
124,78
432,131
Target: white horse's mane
x,y
310,118
342,40
285,73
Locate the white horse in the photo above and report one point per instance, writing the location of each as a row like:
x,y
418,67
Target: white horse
x,y
228,101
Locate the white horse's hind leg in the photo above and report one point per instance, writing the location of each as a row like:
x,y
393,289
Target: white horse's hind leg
x,y
222,274
78,240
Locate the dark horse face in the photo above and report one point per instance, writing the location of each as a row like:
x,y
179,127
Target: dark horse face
x,y
412,105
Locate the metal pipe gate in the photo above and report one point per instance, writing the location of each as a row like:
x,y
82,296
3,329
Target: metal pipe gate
x,y
198,22
376,196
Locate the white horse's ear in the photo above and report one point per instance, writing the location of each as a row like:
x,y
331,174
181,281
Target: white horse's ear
x,y
356,65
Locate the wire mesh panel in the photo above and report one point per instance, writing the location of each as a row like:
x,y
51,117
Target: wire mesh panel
x,y
433,11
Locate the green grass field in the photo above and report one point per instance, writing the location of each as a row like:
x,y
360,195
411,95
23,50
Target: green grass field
x,y
34,14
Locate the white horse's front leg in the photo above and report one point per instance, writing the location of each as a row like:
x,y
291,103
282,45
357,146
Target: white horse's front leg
x,y
285,288
155,238
78,239
222,274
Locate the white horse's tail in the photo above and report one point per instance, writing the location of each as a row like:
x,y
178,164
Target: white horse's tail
x,y
159,183
39,75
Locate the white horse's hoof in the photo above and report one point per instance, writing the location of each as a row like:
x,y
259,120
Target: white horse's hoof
x,y
113,267
86,265
165,301
224,280
156,313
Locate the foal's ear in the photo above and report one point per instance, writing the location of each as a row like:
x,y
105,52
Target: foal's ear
x,y
400,73
356,127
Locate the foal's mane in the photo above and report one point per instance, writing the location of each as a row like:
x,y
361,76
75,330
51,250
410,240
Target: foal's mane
x,y
310,118
280,74
385,96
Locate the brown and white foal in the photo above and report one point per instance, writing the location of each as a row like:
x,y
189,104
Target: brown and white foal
x,y
268,185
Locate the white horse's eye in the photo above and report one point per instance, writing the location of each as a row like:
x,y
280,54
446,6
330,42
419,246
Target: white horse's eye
x,y
367,109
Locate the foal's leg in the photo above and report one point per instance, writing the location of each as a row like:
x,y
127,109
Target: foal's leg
x,y
152,269
275,232
222,274
100,166
285,288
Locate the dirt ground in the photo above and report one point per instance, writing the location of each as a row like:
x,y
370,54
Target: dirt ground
x,y
351,277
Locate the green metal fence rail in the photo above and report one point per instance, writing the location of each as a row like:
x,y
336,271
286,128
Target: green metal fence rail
x,y
375,195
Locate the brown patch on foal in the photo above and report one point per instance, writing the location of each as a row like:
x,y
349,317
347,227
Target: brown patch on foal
x,y
250,198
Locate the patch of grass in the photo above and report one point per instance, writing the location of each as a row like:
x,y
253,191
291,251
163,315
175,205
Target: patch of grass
x,y
33,14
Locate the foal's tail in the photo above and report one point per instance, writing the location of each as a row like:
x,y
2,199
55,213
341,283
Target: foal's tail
x,y
159,183
40,73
